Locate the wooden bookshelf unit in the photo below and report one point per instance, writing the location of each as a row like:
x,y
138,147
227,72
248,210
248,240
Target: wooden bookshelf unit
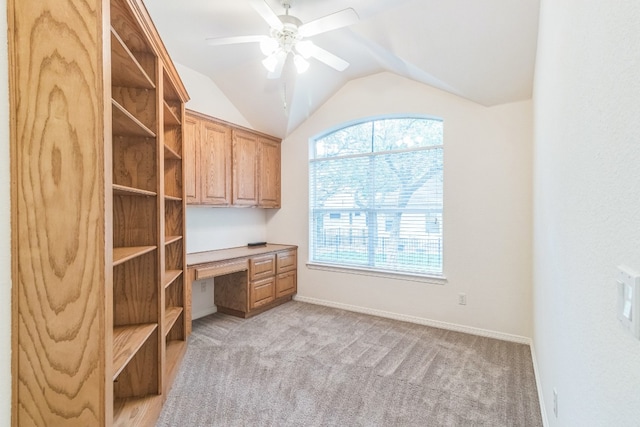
x,y
99,299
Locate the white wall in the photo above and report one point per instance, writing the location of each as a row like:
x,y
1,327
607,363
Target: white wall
x,y
487,217
216,228
587,208
5,229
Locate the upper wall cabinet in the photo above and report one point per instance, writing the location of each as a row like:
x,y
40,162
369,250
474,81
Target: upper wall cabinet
x,y
230,166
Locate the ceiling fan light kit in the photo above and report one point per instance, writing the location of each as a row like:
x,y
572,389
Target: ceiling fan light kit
x,y
286,37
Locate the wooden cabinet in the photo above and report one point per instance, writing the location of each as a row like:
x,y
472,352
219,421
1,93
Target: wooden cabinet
x,y
268,173
208,161
229,165
248,281
245,168
100,302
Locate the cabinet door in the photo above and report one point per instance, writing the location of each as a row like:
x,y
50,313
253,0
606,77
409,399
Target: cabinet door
x,y
268,173
263,292
191,162
286,284
286,261
245,165
261,267
215,163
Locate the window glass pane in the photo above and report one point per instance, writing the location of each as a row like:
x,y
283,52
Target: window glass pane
x,y
380,210
399,134
356,139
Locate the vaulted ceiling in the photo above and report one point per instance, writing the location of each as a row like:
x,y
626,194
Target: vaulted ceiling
x,y
482,50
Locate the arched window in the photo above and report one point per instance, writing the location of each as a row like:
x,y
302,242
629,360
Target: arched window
x,y
376,196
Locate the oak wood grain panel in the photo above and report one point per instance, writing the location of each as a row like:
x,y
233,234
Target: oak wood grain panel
x,y
174,256
137,411
127,340
286,261
58,226
175,351
126,124
232,291
262,266
134,221
139,377
220,269
268,173
191,164
173,218
128,28
170,276
140,103
245,168
286,284
125,68
174,294
215,163
170,116
262,292
169,152
135,293
173,177
124,254
171,315
121,190
134,163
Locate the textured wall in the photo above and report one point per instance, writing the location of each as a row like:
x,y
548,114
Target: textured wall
x,y
587,208
487,213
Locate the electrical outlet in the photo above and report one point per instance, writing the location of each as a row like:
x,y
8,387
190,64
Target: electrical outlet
x,y
555,402
462,299
203,287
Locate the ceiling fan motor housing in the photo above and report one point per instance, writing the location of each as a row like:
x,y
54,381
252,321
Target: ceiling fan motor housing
x,y
288,36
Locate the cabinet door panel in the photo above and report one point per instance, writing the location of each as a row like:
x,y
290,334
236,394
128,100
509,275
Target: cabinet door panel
x,y
262,292
269,173
286,284
262,266
286,261
245,163
192,171
215,155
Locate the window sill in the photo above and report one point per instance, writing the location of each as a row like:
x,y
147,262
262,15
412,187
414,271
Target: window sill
x,y
433,279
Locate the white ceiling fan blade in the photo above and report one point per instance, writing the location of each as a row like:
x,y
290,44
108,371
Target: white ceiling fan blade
x,y
334,21
277,71
307,49
267,14
220,41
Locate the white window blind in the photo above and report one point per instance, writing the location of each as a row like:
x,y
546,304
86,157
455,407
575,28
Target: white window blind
x,y
376,196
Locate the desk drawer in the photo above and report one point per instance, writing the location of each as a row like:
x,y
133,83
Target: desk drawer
x,y
263,292
286,284
261,267
220,269
286,261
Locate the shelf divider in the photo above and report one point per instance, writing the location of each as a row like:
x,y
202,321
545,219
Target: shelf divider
x,y
125,124
124,254
127,340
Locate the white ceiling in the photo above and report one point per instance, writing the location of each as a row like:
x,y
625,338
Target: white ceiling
x,y
482,50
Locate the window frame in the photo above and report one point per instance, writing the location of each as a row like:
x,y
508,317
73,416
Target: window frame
x,y
427,277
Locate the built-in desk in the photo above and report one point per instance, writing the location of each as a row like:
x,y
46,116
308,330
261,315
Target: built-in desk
x,y
248,280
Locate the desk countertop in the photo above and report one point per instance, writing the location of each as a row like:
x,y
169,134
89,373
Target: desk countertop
x,y
197,258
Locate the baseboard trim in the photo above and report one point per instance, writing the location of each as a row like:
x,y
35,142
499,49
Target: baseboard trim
x,y
418,320
203,312
536,372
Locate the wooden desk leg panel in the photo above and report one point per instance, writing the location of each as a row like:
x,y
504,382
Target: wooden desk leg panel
x,y
231,291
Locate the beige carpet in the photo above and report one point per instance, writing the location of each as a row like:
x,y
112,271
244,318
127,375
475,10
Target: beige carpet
x,y
306,365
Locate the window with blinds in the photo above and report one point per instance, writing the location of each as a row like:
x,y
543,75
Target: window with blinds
x,y
376,196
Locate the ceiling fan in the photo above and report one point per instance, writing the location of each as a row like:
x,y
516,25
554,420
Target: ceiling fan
x,y
288,36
